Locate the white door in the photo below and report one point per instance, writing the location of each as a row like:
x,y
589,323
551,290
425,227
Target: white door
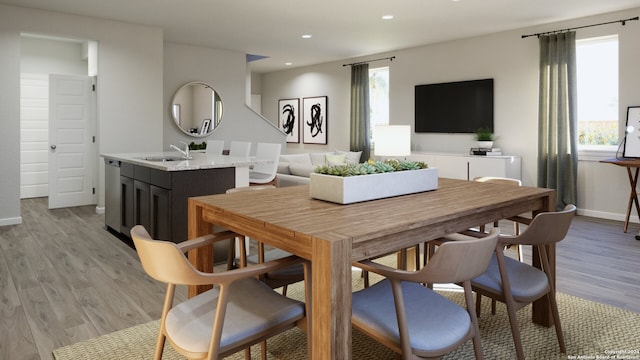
x,y
34,135
71,140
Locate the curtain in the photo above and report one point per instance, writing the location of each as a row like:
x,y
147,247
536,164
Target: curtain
x,y
360,133
557,148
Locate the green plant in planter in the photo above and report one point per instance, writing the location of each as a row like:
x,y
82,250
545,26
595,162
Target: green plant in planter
x,y
195,146
484,134
370,167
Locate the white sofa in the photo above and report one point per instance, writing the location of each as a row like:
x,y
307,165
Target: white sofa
x,y
294,169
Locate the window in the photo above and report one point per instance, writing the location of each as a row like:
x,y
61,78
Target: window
x,y
597,78
378,98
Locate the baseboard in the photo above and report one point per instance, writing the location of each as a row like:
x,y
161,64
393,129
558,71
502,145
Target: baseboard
x,y
11,221
99,210
607,215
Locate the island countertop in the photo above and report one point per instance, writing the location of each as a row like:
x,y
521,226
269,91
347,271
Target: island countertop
x,y
199,160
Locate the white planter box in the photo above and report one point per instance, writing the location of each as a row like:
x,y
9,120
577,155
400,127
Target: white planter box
x,y
351,189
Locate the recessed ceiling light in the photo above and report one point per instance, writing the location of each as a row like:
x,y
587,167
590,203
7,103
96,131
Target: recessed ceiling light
x,y
387,17
306,36
288,63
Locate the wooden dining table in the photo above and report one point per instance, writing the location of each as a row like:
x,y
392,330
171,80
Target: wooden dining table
x,y
332,236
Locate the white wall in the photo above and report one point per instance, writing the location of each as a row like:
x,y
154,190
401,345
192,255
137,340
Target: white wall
x,y
10,120
330,79
47,56
225,71
506,57
129,89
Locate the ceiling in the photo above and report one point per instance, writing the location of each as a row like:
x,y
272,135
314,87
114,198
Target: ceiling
x,y
340,29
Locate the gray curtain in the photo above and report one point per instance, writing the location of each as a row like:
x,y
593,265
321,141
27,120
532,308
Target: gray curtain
x,y
557,148
359,135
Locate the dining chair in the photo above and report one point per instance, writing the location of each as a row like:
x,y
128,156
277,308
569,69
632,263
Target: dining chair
x,y
506,181
237,312
496,224
518,284
215,147
429,247
415,321
402,260
239,149
264,171
280,278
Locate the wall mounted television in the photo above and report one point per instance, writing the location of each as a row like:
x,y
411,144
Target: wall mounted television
x,y
454,107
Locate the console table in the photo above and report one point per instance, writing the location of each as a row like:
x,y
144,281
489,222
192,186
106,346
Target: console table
x,y
468,167
629,163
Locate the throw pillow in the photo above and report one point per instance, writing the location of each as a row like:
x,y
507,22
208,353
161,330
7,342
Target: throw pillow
x,y
335,159
318,158
283,167
353,157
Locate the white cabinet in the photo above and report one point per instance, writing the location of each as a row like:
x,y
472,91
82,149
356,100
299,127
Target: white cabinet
x,y
455,167
468,167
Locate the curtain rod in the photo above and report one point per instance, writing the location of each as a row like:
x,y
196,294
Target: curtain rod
x,y
581,27
368,61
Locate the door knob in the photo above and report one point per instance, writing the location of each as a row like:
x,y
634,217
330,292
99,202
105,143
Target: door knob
x,y
53,147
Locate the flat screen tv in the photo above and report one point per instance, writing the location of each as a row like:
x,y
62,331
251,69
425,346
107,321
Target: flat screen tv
x,y
454,107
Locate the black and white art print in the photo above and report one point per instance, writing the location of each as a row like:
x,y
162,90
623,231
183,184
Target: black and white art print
x,y
289,118
315,119
632,133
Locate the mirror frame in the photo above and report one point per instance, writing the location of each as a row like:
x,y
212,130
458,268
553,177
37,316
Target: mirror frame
x,y
176,113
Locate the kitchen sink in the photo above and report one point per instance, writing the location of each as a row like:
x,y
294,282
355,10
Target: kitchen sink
x,y
163,158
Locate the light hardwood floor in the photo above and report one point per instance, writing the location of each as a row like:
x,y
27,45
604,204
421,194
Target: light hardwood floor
x,y
64,279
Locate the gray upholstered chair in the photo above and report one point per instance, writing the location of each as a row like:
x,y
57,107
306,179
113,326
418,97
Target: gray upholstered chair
x,y
429,247
506,181
516,223
249,310
414,320
518,284
403,261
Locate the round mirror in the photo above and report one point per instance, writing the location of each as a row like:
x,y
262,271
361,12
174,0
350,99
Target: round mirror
x,y
196,109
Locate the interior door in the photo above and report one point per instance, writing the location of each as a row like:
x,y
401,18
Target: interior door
x,y
34,135
71,140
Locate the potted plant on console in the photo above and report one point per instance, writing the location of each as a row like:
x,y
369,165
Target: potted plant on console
x,y
350,183
484,138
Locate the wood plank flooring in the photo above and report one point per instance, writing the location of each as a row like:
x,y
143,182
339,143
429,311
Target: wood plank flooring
x,y
64,279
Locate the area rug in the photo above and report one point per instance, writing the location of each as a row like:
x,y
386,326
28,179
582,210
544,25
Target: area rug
x,y
591,331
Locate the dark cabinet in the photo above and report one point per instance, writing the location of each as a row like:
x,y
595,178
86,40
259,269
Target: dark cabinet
x,y
141,204
160,212
144,203
159,199
126,200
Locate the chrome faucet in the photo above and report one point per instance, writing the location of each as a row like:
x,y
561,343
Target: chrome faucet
x,y
185,152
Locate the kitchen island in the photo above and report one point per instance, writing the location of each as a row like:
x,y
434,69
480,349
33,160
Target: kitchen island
x,y
152,189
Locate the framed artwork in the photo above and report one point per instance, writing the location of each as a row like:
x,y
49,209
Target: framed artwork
x,y
206,124
289,119
315,120
632,133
